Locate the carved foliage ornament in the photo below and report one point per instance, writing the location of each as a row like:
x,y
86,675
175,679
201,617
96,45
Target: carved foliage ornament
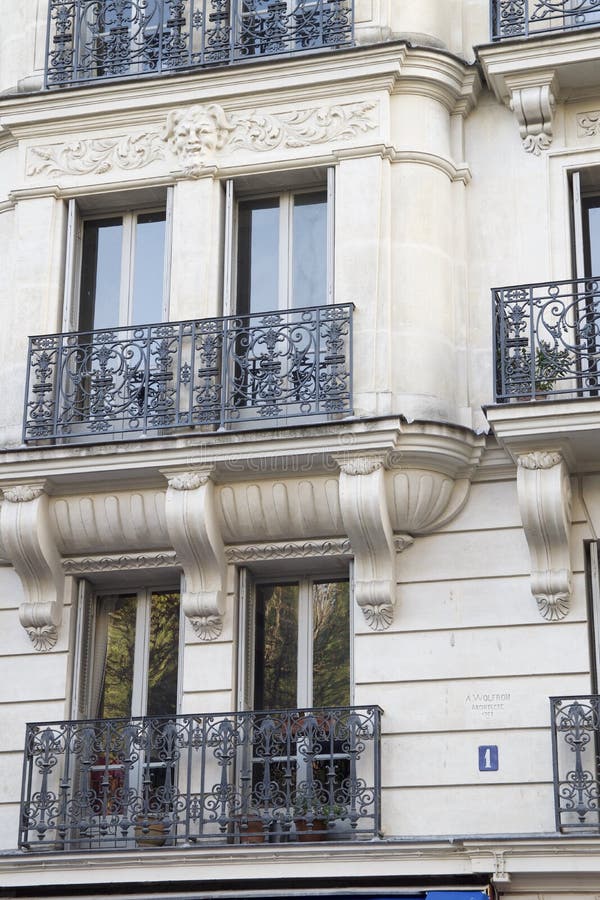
x,y
80,565
290,550
194,135
588,124
188,481
97,156
23,493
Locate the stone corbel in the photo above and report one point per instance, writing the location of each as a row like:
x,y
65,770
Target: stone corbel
x,y
367,523
28,543
533,101
544,492
194,532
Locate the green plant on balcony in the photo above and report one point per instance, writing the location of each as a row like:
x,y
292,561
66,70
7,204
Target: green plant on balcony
x,y
550,364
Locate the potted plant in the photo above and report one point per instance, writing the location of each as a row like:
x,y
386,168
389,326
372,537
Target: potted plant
x,y
150,830
550,364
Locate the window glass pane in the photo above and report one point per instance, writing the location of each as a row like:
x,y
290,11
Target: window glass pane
x,y
309,277
276,646
163,655
594,239
116,627
331,644
258,256
101,274
149,269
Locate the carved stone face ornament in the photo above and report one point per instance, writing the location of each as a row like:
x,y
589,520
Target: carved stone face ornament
x,y
195,134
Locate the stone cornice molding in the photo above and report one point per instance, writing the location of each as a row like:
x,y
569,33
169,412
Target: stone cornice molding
x,y
366,519
339,547
28,542
194,532
429,72
544,493
87,565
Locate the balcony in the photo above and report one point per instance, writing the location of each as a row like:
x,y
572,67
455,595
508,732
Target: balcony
x,y
575,749
209,779
146,381
90,41
547,340
534,18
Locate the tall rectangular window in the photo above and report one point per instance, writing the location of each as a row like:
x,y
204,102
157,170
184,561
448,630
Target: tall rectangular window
x,y
282,252
301,644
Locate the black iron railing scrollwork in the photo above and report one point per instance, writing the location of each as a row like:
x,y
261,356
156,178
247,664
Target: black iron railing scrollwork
x,y
529,18
247,777
547,340
575,746
88,40
147,380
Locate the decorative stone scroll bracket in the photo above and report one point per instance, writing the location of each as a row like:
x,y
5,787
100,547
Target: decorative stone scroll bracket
x,y
196,538
27,540
544,493
533,101
366,520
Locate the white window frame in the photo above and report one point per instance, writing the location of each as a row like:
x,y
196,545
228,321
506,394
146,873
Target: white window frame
x,y
76,219
247,584
233,196
85,657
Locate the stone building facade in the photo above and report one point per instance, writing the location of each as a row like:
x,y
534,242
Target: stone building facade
x,y
299,571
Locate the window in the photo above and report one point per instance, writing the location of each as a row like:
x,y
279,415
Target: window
x,y
296,664
282,252
126,668
593,593
113,372
263,27
301,644
278,283
128,38
122,271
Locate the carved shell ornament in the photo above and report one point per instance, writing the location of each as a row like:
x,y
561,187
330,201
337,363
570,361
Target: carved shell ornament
x,y
43,637
378,618
207,628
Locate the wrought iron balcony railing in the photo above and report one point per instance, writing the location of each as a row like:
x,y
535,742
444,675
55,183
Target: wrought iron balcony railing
x,y
547,340
147,380
530,18
576,758
88,40
246,777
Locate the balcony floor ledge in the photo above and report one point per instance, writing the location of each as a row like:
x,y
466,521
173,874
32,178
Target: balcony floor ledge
x,y
571,426
458,856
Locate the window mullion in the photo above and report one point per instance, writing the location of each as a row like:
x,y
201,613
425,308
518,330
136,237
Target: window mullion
x,y
286,299
127,269
330,235
141,655
166,311
305,628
